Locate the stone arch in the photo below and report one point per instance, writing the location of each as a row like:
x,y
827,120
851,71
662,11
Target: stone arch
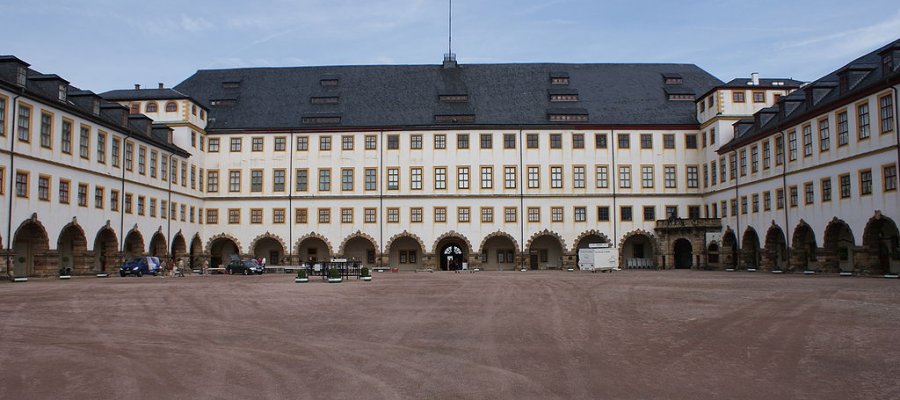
x,y
357,235
803,247
452,235
750,249
72,248
403,256
712,254
31,246
838,246
729,250
546,232
133,243
881,241
157,246
275,255
682,253
267,235
217,249
454,257
586,234
498,234
387,248
196,251
313,235
214,238
542,257
634,257
106,249
775,254
179,246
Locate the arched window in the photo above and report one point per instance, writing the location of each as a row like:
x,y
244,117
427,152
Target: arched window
x,y
194,109
171,107
152,107
135,108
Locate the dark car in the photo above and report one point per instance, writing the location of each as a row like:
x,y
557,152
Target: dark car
x,y
244,267
140,266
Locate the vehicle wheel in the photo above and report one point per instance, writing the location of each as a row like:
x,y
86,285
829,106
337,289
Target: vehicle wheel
x,y
140,274
245,272
122,273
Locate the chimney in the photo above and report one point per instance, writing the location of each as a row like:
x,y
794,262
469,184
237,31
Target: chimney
x,y
161,86
137,86
754,77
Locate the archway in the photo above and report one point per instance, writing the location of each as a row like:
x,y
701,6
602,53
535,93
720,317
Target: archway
x,y
882,242
179,248
221,250
313,248
638,251
196,252
712,255
498,252
729,249
545,251
776,249
269,248
838,246
106,249
406,252
31,247
683,254
360,248
158,246
134,244
750,249
803,247
585,240
452,257
72,249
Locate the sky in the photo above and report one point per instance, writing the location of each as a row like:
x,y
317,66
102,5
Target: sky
x,y
102,45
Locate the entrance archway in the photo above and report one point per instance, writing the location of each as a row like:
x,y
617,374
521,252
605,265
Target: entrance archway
x,y
106,249
270,248
406,252
712,255
545,251
586,240
360,248
452,257
750,249
683,254
729,251
776,249
72,249
882,242
638,251
803,247
498,252
31,247
221,251
158,246
838,246
314,249
134,244
196,252
179,248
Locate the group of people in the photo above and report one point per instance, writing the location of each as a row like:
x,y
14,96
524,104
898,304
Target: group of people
x,y
172,267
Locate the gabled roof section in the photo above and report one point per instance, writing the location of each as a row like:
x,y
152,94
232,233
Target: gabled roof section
x,y
145,94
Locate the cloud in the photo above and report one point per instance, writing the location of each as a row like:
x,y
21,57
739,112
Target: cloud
x,y
852,41
195,24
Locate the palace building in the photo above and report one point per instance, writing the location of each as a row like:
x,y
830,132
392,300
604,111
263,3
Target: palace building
x,y
500,166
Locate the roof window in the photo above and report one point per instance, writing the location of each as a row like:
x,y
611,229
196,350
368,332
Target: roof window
x,y
454,98
454,119
325,100
328,82
321,120
231,85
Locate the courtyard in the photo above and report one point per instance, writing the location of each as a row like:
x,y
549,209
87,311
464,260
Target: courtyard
x,y
488,335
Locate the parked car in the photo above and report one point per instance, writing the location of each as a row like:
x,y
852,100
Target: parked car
x,y
140,266
244,267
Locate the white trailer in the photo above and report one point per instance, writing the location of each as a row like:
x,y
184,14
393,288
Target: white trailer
x,y
598,257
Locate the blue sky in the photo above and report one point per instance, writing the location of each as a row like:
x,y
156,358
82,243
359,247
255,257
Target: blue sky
x,y
112,44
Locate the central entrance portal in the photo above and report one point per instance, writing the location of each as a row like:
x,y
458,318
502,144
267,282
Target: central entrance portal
x,y
452,257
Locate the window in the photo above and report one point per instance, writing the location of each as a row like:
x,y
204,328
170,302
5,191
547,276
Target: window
x,y
301,216
256,144
694,212
46,130
113,198
865,182
779,150
824,135
234,181
43,187
393,179
440,214
690,141
66,142
98,200
2,116
754,159
602,213
843,128
487,140
278,178
889,172
646,141
24,123
370,215
692,178
668,141
346,215
140,204
534,214
556,214
462,214
370,179
462,174
84,142
183,173
440,141
324,180
415,214
163,210
555,141
580,214
886,104
734,207
415,142
440,178
324,215
212,181
142,160
212,216
509,177
767,155
462,141
213,146
347,179
712,135
624,141
324,143
510,214
862,120
672,211
807,141
487,214
826,189
759,97
625,177
779,198
256,180
556,178
625,212
713,173
669,176
346,142
600,140
532,140
578,177
602,176
280,143
128,203
302,143
792,145
534,177
809,195
487,177
737,96
371,142
234,216
129,156
722,175
743,157
235,144
302,178
647,176
767,201
793,192
649,213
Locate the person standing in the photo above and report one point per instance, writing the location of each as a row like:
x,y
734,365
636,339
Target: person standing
x,y
204,269
179,268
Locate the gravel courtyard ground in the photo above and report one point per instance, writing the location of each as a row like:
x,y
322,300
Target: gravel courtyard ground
x,y
489,335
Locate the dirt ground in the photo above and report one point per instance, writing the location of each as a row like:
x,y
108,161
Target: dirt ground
x,y
488,335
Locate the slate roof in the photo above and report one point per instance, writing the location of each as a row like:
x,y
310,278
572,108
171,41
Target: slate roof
x,y
864,75
144,94
408,95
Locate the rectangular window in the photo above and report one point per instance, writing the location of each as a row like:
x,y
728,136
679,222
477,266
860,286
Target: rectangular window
x,y
625,177
415,142
743,157
580,214
302,143
99,200
371,142
212,216
128,203
670,177
280,143
692,178
183,174
862,120
509,177
324,180
843,128
646,141
278,179
668,141
462,214
393,179
2,116
142,160
346,142
347,179
809,194
600,141
534,214
213,147
602,213
532,140
794,196
346,215
487,141
713,172
43,188
24,123
865,182
807,141
690,141
889,173
509,141
647,176
256,180
212,181
767,155
722,175
754,159
556,214
234,181
301,216
129,156
671,211
440,141
370,215
734,207
556,177
759,97
140,205
624,141
845,186
234,216
625,213
393,142
415,214
84,142
46,130
153,158
767,201
302,179
826,189
602,176
779,199
737,96
462,175
487,177
113,197
235,144
792,145
371,179
886,114
462,141
324,143
779,150
440,214
534,177
66,142
324,215
440,178
824,135
510,214
578,177
487,214
256,144
649,213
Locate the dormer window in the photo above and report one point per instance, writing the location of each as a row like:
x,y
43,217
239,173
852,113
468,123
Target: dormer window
x,y
328,82
681,97
454,119
321,120
231,85
96,107
672,79
559,78
223,102
21,76
152,107
62,92
325,100
454,98
887,64
171,107
563,97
